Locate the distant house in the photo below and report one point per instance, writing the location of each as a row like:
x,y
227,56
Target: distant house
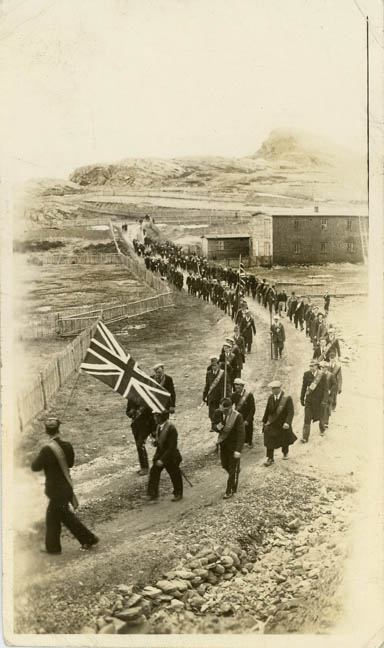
x,y
319,235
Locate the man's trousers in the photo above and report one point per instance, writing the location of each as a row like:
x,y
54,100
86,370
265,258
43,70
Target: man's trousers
x,y
232,466
140,439
173,470
58,513
308,416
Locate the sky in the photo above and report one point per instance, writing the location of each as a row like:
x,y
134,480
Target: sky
x,y
96,81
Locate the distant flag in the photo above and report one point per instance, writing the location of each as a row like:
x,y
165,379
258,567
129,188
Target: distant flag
x,y
107,361
242,275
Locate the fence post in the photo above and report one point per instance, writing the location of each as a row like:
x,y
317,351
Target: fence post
x,y
43,390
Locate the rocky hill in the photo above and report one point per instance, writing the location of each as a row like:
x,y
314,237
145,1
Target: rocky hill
x,y
290,162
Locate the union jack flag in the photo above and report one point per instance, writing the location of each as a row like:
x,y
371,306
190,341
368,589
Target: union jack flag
x,y
107,361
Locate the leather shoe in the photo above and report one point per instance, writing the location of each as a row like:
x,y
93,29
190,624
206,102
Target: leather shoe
x,y
269,462
228,495
176,498
143,471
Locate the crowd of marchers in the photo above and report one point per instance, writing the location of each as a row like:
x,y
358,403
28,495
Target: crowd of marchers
x,y
230,404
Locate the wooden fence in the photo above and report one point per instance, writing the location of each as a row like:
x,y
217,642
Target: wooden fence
x,y
37,396
72,259
135,266
73,324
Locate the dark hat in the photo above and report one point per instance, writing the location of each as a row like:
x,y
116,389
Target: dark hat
x,y
52,423
226,402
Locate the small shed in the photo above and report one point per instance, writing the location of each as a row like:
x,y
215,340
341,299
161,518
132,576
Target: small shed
x,y
226,246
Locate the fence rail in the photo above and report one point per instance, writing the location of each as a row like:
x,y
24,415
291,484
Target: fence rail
x,y
72,325
72,259
36,397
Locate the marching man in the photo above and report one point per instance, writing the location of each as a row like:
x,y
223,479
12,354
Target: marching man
x,y
277,422
244,403
278,337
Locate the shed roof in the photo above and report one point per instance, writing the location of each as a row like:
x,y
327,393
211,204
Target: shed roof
x,y
226,236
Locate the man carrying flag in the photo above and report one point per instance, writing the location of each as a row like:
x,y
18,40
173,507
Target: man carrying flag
x,y
106,360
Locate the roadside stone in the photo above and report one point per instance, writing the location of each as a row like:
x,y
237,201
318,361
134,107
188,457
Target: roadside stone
x,y
133,600
227,576
202,573
184,573
136,622
226,609
88,630
129,613
219,569
166,586
177,605
196,581
125,589
165,597
194,564
227,561
152,592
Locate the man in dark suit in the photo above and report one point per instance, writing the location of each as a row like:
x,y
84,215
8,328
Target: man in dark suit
x,y
298,315
142,425
229,425
214,386
244,403
165,381
59,490
230,356
277,422
167,456
313,392
335,367
248,330
278,337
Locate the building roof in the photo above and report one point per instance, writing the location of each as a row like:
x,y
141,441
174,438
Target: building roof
x,y
226,236
350,211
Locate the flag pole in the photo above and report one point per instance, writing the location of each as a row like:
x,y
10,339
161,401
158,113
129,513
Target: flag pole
x,y
270,322
238,285
71,394
225,375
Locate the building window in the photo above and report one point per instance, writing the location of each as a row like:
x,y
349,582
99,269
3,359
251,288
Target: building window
x,y
350,246
221,245
323,247
349,224
266,229
296,248
324,224
296,224
266,248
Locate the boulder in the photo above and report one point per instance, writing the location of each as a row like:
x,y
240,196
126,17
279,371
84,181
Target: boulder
x,y
175,604
133,600
184,573
129,613
152,592
167,586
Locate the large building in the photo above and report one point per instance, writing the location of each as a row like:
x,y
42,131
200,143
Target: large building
x,y
319,236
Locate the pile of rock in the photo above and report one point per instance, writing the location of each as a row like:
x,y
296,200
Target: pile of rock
x,y
182,589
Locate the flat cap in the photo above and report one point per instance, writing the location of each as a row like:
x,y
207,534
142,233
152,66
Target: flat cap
x,y
158,365
52,422
274,383
213,358
238,381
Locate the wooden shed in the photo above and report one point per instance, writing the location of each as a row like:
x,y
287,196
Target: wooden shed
x,y
226,246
